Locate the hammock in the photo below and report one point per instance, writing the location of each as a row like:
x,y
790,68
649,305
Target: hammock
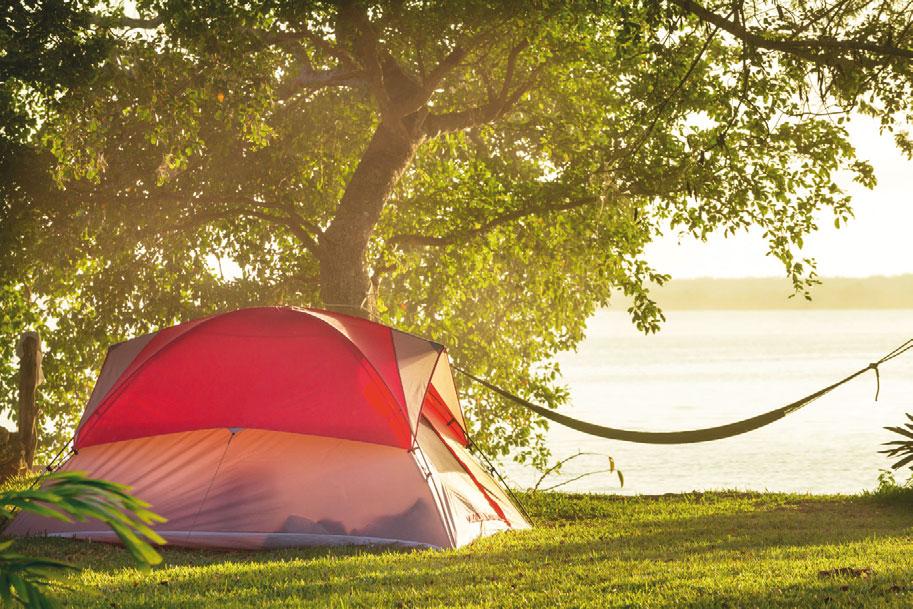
x,y
693,435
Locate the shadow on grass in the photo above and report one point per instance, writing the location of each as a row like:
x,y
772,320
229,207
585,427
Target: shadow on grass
x,y
692,551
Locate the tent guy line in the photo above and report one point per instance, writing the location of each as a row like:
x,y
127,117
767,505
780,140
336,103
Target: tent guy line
x,y
691,436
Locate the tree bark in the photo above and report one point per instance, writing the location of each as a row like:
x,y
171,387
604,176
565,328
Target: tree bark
x,y
29,379
345,284
17,448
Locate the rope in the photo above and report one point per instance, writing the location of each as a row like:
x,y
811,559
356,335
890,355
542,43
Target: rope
x,y
694,435
494,471
50,468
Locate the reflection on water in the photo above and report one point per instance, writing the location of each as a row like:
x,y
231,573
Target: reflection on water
x,y
708,368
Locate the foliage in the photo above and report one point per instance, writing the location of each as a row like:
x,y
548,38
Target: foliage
x,y
901,448
888,486
47,50
541,147
559,464
70,496
587,551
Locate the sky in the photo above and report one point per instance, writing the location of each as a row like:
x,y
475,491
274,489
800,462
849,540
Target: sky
x,y
879,241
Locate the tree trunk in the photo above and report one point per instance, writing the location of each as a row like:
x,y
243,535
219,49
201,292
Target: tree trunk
x,y
17,448
345,284
29,379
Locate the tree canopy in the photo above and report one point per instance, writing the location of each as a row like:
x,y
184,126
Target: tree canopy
x,y
484,173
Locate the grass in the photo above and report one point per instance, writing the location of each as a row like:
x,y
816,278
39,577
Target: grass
x,y
694,550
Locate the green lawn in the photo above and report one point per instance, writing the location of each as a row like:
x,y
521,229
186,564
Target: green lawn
x,y
707,550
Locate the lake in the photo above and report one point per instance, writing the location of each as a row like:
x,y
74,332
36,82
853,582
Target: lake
x,y
706,368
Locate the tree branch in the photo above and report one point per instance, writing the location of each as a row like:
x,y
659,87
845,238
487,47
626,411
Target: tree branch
x,y
302,230
436,124
122,21
300,233
290,40
802,47
413,240
453,59
447,122
341,55
511,67
310,79
448,63
354,18
660,108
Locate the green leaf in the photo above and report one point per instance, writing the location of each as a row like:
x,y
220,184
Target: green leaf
x,y
903,462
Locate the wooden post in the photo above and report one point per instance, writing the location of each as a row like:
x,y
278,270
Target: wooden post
x,y
30,377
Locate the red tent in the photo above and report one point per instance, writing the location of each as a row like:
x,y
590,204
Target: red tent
x,y
278,426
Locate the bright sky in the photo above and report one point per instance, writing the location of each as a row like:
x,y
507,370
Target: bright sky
x,y
879,241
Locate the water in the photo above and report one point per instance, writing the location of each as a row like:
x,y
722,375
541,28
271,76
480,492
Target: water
x,y
707,368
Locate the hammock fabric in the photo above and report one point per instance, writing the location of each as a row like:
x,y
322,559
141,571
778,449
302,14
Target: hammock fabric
x,y
694,435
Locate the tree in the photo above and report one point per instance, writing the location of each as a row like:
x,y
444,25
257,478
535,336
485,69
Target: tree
x,y
482,172
46,49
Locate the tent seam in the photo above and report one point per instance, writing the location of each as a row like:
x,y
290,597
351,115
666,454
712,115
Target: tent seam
x,y
421,407
442,501
103,406
365,359
212,481
494,505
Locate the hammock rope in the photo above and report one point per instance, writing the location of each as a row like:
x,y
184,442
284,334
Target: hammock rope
x,y
692,436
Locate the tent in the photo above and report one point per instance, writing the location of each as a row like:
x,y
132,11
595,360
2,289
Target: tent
x,y
275,427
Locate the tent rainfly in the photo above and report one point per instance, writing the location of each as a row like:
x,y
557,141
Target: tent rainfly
x,y
276,427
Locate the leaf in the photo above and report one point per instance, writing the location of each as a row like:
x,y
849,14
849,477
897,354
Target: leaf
x,y
73,495
901,431
43,510
19,586
5,588
903,462
141,551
